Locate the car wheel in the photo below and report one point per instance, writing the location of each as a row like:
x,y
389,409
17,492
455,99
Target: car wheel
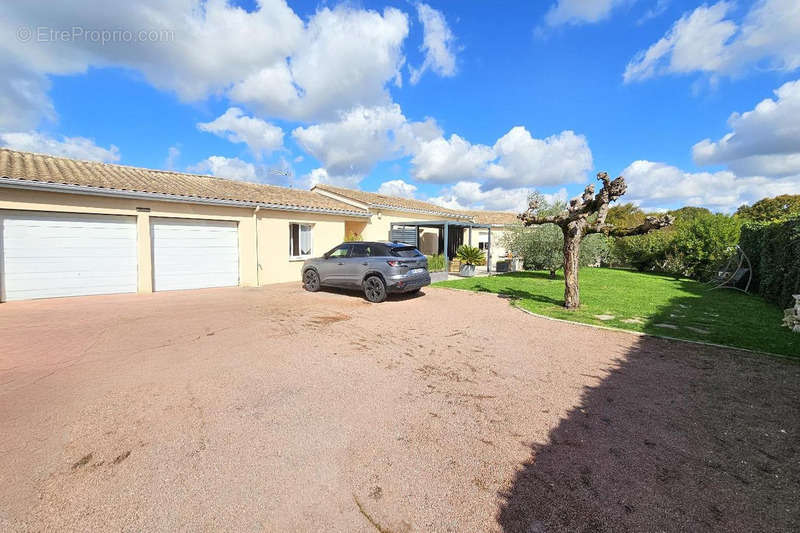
x,y
375,289
311,280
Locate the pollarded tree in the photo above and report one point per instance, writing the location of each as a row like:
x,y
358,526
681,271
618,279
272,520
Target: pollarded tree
x,y
587,214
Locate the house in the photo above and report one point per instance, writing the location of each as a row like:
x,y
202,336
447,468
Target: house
x,y
70,228
434,228
499,223
76,227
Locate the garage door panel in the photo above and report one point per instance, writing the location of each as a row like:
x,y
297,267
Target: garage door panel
x,y
51,254
194,254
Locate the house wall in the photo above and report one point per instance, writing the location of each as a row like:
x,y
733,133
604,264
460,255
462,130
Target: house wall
x,y
262,260
354,227
273,242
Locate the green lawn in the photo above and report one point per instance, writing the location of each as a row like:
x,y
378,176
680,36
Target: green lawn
x,y
651,303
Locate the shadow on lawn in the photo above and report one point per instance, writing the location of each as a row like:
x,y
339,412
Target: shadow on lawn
x,y
517,294
675,437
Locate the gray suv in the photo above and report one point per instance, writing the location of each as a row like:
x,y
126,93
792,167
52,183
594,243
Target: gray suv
x,y
377,268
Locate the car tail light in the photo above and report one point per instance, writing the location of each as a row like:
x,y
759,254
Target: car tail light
x,y
393,263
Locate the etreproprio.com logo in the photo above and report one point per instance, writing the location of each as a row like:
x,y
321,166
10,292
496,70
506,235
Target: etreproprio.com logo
x,y
46,34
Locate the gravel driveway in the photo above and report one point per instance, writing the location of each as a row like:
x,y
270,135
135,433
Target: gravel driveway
x,y
280,410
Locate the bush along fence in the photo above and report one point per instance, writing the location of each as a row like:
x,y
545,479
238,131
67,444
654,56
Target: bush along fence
x,y
774,251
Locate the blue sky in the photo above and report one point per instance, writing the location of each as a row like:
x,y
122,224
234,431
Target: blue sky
x,y
539,95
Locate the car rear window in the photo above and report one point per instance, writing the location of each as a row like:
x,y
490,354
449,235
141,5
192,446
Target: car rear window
x,y
405,251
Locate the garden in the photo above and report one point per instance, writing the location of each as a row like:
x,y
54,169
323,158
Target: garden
x,y
676,281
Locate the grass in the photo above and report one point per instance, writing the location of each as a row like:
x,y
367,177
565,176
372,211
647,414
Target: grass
x,y
435,263
650,303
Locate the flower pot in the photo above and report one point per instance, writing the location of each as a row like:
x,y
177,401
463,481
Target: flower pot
x,y
466,270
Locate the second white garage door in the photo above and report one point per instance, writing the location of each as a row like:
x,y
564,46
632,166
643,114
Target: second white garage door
x,y
194,254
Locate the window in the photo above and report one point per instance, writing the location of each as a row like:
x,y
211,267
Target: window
x,y
377,250
299,240
405,251
339,251
359,250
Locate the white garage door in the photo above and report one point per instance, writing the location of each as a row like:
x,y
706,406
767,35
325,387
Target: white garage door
x,y
193,254
45,255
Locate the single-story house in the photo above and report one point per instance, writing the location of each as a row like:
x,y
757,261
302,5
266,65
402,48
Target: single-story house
x,y
499,223
70,228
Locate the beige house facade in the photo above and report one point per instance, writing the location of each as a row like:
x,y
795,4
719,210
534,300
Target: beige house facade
x,y
70,228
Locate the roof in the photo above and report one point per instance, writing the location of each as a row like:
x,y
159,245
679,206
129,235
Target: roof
x,y
373,199
494,217
32,169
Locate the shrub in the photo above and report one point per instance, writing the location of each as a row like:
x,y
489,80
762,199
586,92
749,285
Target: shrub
x,y
436,263
595,250
781,207
541,247
704,242
774,251
697,243
470,255
353,237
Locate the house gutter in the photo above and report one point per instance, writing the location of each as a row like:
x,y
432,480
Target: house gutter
x,y
422,211
164,197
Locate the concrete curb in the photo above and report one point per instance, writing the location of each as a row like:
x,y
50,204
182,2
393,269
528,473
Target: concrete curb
x,y
511,301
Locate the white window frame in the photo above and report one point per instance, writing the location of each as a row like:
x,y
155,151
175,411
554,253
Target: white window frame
x,y
299,232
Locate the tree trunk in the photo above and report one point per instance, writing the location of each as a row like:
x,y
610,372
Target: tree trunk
x,y
552,274
573,233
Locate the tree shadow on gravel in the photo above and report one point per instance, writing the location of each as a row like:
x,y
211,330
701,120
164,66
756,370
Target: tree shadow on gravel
x,y
675,437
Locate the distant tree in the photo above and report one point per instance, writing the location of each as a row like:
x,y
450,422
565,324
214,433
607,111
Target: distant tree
x,y
771,209
689,213
587,214
625,215
541,247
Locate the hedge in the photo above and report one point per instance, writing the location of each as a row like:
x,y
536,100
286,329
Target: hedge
x,y
774,251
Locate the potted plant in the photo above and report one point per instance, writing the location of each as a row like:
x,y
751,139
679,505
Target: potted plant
x,y
469,256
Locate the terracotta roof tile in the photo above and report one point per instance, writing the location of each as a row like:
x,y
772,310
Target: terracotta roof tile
x,y
60,170
381,200
494,217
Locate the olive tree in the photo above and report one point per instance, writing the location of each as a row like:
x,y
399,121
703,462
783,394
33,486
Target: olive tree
x,y
541,247
584,215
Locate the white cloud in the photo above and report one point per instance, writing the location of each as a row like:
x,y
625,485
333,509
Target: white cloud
x,y
354,143
471,195
655,11
363,136
344,59
442,160
23,98
173,154
516,160
659,185
262,137
229,167
320,175
72,147
268,58
398,188
580,11
763,141
524,160
706,40
438,44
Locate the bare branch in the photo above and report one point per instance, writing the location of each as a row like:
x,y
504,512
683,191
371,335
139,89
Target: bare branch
x,y
649,224
530,219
